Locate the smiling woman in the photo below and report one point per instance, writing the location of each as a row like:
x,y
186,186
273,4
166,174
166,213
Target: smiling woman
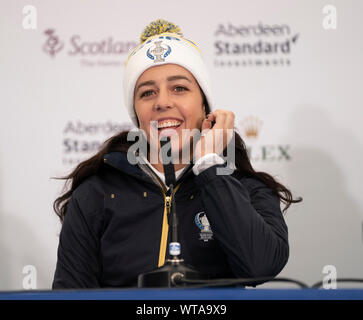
x,y
115,213
170,97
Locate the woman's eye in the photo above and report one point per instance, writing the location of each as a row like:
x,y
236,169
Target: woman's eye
x,y
179,89
146,93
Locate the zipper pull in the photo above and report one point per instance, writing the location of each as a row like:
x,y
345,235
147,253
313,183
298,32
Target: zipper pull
x,y
168,203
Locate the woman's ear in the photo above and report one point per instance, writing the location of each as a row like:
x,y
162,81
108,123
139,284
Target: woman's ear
x,y
204,111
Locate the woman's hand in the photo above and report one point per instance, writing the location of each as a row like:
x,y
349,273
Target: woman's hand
x,y
215,138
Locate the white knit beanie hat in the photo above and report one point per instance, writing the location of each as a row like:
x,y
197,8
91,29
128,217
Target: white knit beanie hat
x,y
163,43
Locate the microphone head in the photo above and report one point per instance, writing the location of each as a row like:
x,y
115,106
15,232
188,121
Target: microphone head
x,y
168,165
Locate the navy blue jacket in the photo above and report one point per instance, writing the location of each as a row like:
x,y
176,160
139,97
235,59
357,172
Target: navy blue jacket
x,y
114,221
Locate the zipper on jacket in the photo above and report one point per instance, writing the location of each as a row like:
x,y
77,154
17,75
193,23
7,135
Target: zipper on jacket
x,y
168,204
165,223
165,227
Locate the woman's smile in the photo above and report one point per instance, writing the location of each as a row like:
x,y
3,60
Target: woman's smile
x,y
169,126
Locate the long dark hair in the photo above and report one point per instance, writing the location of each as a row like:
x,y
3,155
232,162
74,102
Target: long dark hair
x,y
120,142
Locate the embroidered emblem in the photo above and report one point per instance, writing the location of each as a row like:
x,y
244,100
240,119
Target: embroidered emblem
x,y
157,53
203,224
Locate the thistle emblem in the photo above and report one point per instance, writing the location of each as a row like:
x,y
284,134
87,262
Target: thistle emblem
x,y
52,45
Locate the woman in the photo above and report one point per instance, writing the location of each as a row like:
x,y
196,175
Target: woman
x,y
115,213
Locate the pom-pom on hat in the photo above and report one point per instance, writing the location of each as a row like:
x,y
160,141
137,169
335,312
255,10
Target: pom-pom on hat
x,y
161,43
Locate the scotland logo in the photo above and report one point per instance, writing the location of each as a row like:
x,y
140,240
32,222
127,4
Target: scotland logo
x,y
202,222
157,53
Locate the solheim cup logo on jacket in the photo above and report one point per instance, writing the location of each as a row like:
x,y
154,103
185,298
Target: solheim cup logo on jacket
x,y
203,224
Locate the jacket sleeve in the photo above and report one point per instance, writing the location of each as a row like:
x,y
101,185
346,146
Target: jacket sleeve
x,y
246,220
78,264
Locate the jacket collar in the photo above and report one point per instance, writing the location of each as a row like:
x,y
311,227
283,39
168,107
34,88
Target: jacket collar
x,y
127,163
120,161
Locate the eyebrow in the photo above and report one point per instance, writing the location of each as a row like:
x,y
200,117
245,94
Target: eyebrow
x,y
152,82
173,78
145,83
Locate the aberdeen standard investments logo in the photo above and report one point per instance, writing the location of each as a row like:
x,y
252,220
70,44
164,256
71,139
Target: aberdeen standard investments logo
x,y
105,51
81,139
254,45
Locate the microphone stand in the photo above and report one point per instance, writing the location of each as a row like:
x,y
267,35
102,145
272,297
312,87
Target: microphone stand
x,y
174,272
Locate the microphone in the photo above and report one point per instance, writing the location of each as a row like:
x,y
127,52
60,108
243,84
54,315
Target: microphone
x,y
170,180
175,272
169,171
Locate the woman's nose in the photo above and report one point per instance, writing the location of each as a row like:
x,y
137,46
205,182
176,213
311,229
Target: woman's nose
x,y
163,100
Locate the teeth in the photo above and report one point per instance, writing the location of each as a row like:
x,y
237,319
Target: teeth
x,y
169,123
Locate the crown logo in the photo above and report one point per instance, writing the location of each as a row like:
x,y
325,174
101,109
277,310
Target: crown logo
x,y
251,126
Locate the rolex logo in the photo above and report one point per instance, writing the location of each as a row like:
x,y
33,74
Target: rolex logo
x,y
251,127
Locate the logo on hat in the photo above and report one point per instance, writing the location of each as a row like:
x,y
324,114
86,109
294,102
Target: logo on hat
x,y
157,53
203,224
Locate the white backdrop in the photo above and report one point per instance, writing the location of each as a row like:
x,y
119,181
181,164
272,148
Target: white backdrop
x,y
297,98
